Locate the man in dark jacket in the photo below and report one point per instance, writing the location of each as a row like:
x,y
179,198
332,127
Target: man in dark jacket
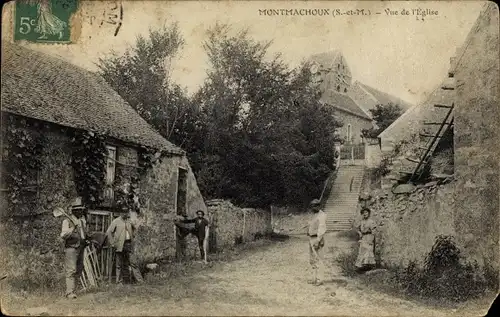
x,y
201,231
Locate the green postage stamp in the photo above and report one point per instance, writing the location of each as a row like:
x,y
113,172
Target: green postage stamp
x,y
44,20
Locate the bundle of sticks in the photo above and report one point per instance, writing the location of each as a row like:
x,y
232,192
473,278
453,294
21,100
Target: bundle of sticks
x,y
91,274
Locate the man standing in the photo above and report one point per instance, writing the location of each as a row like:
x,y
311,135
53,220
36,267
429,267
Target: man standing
x,y
316,232
121,234
201,232
74,231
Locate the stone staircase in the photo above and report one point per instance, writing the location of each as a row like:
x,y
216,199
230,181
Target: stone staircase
x,y
342,204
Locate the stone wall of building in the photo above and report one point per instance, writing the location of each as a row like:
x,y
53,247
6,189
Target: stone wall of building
x,y
357,124
31,249
156,235
476,140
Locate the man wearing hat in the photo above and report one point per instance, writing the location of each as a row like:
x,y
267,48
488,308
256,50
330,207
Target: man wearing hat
x,y
121,234
74,233
316,232
201,232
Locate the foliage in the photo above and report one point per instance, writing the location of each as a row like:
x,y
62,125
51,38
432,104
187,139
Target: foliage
x,y
267,138
89,166
382,169
142,77
32,270
384,116
24,144
445,274
347,260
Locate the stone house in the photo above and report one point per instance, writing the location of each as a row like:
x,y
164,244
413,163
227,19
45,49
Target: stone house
x,y
45,103
332,72
465,206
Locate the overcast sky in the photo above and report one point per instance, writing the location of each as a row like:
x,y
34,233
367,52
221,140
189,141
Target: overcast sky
x,y
397,54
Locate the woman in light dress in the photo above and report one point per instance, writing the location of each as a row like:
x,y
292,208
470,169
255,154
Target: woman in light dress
x,y
48,23
366,256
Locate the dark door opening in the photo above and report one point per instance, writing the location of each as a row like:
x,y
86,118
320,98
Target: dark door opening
x,y
181,210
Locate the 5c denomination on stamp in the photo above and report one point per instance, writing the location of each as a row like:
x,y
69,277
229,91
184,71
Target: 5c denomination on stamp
x,y
44,20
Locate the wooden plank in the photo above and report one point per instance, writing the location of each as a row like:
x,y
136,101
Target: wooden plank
x,y
406,173
428,135
413,160
442,106
434,123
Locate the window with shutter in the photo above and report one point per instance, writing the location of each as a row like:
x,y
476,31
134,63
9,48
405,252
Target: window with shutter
x,y
110,173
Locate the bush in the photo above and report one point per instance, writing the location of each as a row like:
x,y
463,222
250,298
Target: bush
x,y
347,261
382,169
445,275
32,271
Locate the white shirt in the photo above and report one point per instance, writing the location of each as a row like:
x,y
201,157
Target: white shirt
x,y
317,226
69,225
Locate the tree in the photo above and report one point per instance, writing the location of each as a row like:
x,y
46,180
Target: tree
x,y
141,76
268,140
384,116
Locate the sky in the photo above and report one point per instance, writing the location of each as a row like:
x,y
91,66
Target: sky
x,y
398,54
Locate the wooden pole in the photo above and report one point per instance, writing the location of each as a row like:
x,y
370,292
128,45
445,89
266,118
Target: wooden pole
x,y
244,225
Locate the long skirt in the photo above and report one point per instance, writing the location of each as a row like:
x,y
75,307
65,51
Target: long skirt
x,y
366,254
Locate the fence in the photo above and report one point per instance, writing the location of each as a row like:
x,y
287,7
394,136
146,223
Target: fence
x,y
99,221
352,152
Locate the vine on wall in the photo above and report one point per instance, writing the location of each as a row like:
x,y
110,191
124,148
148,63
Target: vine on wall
x,y
146,159
22,159
89,166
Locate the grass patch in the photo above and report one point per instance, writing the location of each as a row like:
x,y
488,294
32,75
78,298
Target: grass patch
x,y
346,261
445,278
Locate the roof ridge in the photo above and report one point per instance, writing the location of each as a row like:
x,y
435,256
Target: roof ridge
x,y
391,96
333,93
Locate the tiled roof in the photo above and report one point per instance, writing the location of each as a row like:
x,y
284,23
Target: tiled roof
x,y
326,58
412,120
344,103
385,98
46,88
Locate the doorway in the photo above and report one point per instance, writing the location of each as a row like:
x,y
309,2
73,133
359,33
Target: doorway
x,y
180,205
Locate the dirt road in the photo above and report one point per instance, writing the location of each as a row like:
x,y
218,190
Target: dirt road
x,y
268,281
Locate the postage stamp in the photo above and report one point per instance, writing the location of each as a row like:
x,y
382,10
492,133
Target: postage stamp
x,y
44,20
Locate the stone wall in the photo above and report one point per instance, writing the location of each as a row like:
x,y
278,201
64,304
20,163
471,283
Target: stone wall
x,y
156,237
476,140
32,249
30,245
357,124
232,225
373,155
408,223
